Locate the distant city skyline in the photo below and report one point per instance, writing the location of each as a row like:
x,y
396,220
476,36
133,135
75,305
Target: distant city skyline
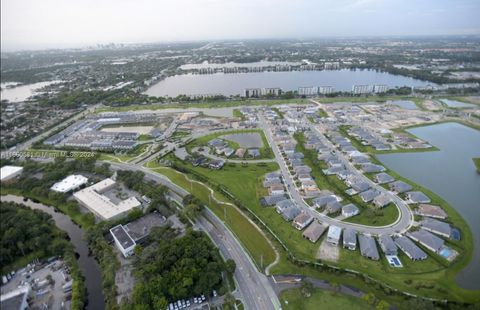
x,y
30,24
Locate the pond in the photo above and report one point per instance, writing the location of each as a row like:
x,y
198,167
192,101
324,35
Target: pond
x,y
457,104
235,84
245,140
451,174
405,104
88,265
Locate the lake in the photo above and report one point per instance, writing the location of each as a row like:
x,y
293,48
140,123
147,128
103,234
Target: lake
x,y
451,174
22,92
235,84
88,265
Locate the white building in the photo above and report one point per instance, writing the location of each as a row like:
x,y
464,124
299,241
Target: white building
x,y
378,89
92,198
325,90
9,172
308,91
16,299
253,92
123,240
362,89
271,91
70,183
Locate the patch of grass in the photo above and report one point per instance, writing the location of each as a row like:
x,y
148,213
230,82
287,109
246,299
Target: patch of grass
x,y
476,161
255,243
320,299
144,137
237,113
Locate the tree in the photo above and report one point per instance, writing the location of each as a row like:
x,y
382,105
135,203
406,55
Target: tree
x,y
382,305
229,301
231,266
306,288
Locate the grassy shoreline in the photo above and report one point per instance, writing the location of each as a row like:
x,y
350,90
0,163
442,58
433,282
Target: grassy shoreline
x,y
476,161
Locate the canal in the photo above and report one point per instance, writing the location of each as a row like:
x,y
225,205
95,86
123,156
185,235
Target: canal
x,y
88,265
451,174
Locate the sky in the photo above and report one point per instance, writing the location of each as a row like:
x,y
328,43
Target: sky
x,y
39,24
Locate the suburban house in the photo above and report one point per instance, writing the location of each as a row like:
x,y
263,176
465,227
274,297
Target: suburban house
x,y
387,245
417,197
383,178
334,233
428,240
410,249
314,231
302,220
437,227
350,210
369,195
431,211
368,248
350,239
381,200
400,187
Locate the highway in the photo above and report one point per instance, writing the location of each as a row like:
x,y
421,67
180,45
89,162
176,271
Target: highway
x,y
403,223
255,290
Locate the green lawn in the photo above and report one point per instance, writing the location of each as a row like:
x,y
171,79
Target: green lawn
x,y
211,104
477,163
320,299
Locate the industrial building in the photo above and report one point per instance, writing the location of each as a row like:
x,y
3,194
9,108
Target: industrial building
x,y
70,183
127,236
8,173
93,199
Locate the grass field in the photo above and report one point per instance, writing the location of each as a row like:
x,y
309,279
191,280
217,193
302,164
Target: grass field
x,y
207,104
320,299
256,244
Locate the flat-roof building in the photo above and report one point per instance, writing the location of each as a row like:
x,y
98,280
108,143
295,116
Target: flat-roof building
x,y
92,198
124,242
70,183
10,172
16,299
